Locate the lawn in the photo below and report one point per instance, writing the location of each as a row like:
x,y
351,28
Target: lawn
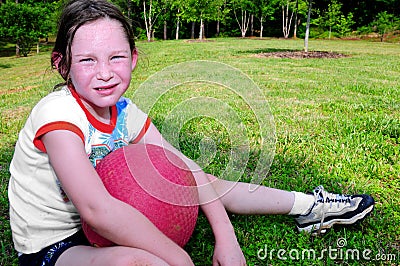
x,y
333,122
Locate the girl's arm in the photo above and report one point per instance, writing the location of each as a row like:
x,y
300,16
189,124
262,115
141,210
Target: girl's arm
x,y
227,250
111,218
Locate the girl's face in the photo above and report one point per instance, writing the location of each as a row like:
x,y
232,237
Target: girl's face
x,y
101,63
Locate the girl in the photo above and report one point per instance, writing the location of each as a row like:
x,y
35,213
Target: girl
x,y
53,180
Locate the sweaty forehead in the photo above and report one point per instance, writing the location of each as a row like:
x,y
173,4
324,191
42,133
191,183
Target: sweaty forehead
x,y
100,32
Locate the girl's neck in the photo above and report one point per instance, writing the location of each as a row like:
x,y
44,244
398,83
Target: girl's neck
x,y
102,114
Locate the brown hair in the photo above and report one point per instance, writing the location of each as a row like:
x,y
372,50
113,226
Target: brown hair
x,y
75,14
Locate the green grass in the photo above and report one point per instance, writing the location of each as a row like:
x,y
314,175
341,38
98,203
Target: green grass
x,y
337,123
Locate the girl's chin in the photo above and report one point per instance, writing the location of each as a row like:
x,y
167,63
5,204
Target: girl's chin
x,y
108,100
102,103
105,104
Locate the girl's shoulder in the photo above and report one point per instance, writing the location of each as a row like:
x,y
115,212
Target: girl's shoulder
x,y
126,104
56,104
61,97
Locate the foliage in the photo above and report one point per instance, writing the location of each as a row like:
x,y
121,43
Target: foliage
x,y
337,126
201,11
332,15
334,21
383,23
230,18
25,24
344,24
242,10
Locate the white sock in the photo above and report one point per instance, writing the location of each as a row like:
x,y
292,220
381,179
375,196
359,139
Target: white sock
x,y
302,203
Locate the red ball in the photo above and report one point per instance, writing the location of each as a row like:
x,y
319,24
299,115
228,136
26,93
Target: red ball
x,y
157,183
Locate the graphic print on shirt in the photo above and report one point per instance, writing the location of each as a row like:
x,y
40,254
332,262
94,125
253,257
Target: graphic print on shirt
x,y
104,143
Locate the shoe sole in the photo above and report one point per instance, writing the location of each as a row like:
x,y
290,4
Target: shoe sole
x,y
315,229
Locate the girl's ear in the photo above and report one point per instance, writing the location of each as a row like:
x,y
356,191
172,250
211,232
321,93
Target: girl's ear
x,y
134,58
56,58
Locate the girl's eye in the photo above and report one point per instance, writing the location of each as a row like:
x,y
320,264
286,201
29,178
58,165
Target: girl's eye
x,y
117,57
86,60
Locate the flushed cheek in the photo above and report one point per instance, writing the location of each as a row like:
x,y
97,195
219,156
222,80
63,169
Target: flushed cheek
x,y
82,73
123,71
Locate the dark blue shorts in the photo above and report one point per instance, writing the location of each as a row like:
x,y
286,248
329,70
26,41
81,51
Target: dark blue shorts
x,y
49,255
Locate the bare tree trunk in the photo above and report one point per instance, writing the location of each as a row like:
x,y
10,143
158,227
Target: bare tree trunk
x,y
17,49
262,27
307,27
147,21
295,20
218,28
201,29
165,30
244,24
193,27
177,27
252,24
285,20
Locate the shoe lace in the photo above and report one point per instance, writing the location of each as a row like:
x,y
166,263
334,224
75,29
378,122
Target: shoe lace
x,y
322,196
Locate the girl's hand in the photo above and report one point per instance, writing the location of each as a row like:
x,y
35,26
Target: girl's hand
x,y
228,254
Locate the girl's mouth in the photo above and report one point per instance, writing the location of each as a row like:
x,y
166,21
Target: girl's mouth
x,y
104,88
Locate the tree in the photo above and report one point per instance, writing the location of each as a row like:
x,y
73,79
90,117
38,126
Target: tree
x,y
201,11
296,10
245,7
127,7
222,13
307,26
24,24
191,12
150,14
382,23
333,15
343,27
176,5
265,10
334,20
287,7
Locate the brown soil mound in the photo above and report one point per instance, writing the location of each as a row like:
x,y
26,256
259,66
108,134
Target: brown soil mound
x,y
301,54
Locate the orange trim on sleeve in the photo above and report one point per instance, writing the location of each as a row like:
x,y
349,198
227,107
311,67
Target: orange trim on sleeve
x,y
143,131
59,125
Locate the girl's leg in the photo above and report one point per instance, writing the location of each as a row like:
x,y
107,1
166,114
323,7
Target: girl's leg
x,y
116,256
313,213
239,198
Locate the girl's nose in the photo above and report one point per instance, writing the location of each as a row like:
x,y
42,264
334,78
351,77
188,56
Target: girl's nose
x,y
104,71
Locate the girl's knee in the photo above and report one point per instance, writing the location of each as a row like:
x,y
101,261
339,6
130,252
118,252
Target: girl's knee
x,y
137,257
116,256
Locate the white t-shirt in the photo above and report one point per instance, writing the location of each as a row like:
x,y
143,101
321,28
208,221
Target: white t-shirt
x,y
40,212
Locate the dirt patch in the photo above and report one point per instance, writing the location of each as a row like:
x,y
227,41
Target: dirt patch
x,y
301,54
17,90
198,40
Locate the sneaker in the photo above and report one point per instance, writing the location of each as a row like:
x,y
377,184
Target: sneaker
x,y
330,209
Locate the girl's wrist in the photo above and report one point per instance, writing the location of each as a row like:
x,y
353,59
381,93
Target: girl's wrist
x,y
225,233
